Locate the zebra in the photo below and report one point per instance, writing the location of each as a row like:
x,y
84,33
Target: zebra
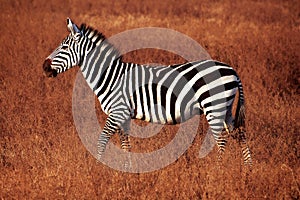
x,y
161,94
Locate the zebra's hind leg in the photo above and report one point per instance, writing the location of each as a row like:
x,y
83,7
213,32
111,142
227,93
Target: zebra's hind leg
x,y
216,124
243,143
221,140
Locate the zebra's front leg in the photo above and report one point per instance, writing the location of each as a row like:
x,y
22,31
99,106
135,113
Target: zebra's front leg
x,y
124,139
108,131
125,144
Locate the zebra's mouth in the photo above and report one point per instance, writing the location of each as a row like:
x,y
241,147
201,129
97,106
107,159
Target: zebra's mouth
x,y
48,71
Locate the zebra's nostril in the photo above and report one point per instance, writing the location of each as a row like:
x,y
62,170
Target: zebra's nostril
x,y
47,65
48,71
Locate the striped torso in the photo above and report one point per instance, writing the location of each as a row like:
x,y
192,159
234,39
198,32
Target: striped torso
x,y
165,94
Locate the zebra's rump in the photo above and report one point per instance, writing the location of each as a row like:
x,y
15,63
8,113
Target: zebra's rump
x,y
173,94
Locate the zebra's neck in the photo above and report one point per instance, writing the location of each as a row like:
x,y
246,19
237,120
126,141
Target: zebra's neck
x,y
99,66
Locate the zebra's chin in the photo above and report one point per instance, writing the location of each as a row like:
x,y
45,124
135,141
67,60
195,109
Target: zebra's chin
x,y
48,71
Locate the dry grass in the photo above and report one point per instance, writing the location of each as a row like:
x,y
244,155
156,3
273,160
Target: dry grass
x,y
41,155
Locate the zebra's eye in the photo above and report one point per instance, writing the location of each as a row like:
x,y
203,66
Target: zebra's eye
x,y
64,47
77,36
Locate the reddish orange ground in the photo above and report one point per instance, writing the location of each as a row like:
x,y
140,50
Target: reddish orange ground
x,y
41,155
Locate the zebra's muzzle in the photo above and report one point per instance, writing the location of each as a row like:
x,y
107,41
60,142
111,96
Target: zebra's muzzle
x,y
48,71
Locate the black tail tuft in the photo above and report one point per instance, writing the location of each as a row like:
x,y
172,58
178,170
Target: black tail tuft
x,y
240,116
240,109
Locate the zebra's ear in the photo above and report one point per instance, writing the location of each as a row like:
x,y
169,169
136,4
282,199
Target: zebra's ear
x,y
72,27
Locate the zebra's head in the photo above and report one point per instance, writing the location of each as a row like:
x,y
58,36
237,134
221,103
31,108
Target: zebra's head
x,y
70,52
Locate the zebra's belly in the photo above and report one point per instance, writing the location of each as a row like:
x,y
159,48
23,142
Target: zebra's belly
x,y
158,114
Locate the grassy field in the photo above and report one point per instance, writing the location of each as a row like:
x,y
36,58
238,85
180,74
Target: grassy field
x,y
41,154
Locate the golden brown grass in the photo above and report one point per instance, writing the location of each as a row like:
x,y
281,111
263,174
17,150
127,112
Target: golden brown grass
x,y
41,155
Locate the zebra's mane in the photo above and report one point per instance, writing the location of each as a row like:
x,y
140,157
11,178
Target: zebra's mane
x,y
98,38
92,33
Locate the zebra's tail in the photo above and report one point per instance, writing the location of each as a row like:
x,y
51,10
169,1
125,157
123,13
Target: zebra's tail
x,y
240,109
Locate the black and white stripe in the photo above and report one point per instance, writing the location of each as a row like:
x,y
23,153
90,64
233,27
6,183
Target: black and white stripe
x,y
164,94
